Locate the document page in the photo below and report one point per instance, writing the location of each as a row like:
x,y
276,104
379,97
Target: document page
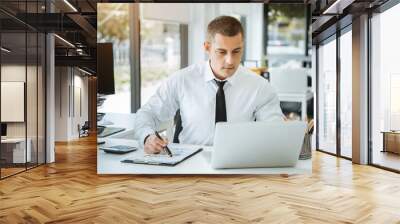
x,y
179,154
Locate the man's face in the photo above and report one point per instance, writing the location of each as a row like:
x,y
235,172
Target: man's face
x,y
225,54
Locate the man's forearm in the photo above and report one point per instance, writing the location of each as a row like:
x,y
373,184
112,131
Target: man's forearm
x,y
145,125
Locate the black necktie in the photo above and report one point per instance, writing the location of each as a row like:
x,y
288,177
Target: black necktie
x,y
220,108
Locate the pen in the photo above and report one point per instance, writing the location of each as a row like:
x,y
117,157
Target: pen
x,y
166,147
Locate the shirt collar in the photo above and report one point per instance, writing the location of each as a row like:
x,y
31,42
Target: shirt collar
x,y
209,74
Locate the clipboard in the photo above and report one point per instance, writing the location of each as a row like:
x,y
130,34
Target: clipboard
x,y
178,155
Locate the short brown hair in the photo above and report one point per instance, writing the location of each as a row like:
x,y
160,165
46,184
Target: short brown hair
x,y
225,25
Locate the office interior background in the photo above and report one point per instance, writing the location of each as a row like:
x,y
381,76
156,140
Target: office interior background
x,y
48,68
164,39
354,83
357,102
168,40
151,41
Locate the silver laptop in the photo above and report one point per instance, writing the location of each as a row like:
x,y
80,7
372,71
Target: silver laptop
x,y
257,144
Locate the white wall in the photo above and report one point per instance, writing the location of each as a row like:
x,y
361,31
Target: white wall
x,y
197,31
17,73
12,101
61,103
33,125
14,72
69,85
80,110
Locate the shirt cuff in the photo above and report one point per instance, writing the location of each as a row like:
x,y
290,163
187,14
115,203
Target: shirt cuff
x,y
143,135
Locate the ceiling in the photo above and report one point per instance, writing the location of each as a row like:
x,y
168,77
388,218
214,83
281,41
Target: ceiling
x,y
74,21
337,14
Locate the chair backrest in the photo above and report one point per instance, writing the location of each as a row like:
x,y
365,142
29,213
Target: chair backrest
x,y
178,126
85,126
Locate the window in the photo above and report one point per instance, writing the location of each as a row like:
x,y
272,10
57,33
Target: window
x,y
327,97
113,26
286,35
346,94
394,101
385,87
159,56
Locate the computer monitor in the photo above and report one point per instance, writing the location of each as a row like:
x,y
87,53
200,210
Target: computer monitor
x,y
3,129
105,69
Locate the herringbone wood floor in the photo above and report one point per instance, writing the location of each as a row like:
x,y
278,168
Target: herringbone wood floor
x,y
70,191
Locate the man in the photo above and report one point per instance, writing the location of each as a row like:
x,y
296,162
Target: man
x,y
219,89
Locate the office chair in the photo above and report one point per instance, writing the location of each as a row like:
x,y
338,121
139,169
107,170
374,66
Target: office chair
x,y
84,130
178,126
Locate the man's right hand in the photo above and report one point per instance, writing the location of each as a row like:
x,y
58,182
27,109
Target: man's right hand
x,y
154,145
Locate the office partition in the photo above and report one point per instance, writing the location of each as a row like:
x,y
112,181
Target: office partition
x,y
14,148
22,77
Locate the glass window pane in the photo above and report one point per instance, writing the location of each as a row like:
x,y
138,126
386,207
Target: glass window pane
x,y
13,84
327,97
286,35
346,94
22,88
113,27
31,97
32,88
385,86
41,99
159,55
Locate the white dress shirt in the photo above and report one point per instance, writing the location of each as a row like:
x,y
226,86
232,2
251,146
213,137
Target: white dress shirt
x,y
193,90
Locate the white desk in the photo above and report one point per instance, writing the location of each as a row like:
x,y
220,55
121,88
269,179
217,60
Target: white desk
x,y
18,150
297,97
120,120
127,121
197,164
